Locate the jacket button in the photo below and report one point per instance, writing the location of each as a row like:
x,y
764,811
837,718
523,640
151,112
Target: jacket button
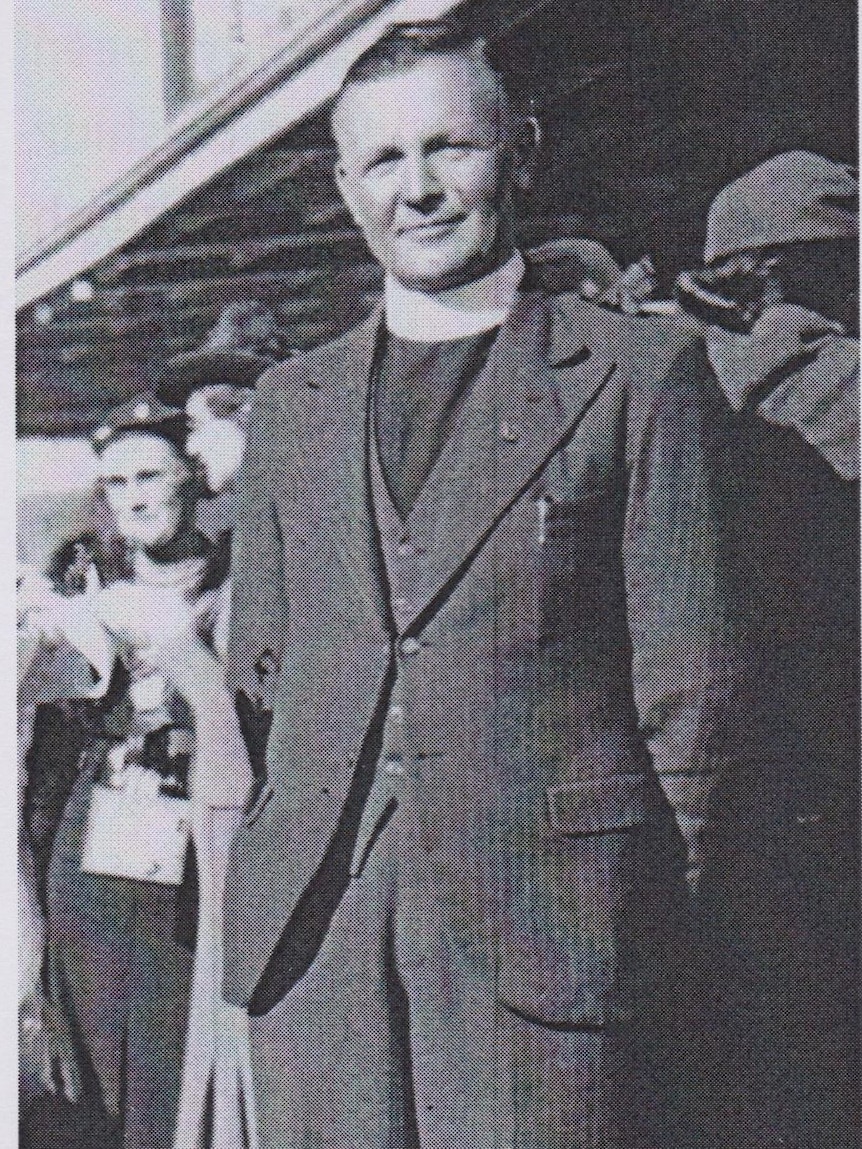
x,y
509,432
409,549
411,646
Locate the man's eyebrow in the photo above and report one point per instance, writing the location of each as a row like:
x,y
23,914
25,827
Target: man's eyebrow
x,y
463,138
384,152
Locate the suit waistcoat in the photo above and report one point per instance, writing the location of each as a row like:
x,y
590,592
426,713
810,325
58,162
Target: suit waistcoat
x,y
403,553
416,396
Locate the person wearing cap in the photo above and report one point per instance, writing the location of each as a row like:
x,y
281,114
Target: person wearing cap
x,y
153,1037
778,900
453,910
779,293
215,388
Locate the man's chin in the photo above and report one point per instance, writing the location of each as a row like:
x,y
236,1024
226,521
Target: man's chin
x,y
432,272
146,542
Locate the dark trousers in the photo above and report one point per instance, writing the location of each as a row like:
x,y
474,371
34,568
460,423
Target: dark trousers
x,y
394,1039
123,979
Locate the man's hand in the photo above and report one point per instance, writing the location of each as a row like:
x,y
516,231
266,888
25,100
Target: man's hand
x,y
47,1058
782,338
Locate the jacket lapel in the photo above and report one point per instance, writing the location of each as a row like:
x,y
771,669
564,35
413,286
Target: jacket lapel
x,y
540,379
334,445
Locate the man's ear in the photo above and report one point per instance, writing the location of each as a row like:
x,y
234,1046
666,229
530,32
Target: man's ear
x,y
343,183
528,140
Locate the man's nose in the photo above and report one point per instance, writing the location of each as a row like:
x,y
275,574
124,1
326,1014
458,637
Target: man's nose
x,y
135,500
420,186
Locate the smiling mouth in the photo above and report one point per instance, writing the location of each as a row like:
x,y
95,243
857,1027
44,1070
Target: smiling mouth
x,y
433,229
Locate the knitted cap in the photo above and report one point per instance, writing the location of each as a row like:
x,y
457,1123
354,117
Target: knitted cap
x,y
794,197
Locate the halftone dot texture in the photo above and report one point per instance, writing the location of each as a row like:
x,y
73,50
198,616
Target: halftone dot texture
x,y
396,1035
121,976
795,197
485,978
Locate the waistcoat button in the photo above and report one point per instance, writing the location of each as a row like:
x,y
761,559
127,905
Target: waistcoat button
x,y
411,646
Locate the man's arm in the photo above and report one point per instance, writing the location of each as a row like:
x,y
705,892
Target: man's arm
x,y
673,590
796,371
258,617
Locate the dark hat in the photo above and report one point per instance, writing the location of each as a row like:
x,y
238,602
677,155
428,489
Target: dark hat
x,y
203,368
147,414
795,197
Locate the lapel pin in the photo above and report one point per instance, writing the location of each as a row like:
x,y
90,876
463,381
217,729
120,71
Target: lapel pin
x,y
509,432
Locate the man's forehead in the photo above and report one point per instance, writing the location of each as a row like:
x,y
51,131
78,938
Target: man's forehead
x,y
131,453
438,88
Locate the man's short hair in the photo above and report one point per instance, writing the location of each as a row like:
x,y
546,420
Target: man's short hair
x,y
402,46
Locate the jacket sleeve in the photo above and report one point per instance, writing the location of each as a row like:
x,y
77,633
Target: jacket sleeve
x,y
258,615
821,402
673,592
796,372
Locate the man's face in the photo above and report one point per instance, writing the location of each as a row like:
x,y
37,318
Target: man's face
x,y
146,485
216,418
427,167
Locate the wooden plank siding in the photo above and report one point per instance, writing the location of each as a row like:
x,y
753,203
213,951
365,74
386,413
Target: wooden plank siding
x,y
647,112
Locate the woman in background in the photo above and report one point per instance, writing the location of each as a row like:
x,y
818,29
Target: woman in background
x,y
143,1003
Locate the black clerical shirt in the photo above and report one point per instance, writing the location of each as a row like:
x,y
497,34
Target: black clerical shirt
x,y
419,390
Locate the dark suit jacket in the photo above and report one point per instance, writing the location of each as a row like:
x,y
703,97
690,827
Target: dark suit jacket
x,y
567,534
779,897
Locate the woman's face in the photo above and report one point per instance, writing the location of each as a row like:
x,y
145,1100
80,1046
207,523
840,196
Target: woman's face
x,y
147,485
216,419
824,277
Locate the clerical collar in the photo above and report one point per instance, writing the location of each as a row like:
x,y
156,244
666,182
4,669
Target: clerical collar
x,y
454,314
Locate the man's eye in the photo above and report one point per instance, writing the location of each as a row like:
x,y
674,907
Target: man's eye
x,y
148,476
382,159
113,481
454,147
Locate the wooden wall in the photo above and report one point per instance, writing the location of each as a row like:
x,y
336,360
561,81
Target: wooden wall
x,y
649,109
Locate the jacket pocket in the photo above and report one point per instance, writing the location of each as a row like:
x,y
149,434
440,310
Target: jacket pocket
x,y
573,905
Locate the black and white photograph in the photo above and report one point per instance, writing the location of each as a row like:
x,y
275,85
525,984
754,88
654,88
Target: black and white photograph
x,y
437,574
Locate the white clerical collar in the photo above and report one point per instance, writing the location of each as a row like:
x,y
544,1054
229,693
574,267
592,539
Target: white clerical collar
x,y
454,314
